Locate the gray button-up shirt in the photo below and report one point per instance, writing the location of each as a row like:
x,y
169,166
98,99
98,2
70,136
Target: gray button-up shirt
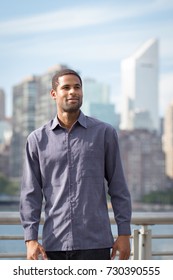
x,y
68,169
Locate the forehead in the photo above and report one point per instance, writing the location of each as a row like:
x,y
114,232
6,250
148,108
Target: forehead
x,y
69,79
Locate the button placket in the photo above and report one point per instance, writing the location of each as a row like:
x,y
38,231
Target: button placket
x,y
70,185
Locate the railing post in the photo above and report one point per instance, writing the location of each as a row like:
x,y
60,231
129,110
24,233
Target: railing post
x,y
145,245
135,244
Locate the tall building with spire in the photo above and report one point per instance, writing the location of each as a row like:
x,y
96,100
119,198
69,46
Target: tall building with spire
x,y
140,88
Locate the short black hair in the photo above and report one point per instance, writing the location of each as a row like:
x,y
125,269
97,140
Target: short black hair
x,y
62,73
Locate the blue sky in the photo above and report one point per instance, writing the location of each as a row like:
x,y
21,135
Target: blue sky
x,y
90,36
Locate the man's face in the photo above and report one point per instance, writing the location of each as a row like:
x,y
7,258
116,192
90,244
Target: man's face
x,y
68,94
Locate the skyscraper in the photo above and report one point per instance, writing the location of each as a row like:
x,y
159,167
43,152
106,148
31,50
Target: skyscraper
x,y
140,88
168,141
2,104
143,161
32,107
46,107
24,100
96,101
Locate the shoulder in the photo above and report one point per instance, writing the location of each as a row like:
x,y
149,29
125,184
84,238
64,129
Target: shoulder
x,y
93,122
40,132
96,122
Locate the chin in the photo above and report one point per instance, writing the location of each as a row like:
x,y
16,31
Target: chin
x,y
72,109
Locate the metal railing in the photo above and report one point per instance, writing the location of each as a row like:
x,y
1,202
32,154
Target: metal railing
x,y
141,238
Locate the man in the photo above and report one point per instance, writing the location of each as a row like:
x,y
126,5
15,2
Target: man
x,y
67,162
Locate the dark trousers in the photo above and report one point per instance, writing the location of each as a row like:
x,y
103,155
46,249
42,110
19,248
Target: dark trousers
x,y
91,254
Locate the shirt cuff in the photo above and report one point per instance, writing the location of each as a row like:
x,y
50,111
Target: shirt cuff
x,y
124,229
30,235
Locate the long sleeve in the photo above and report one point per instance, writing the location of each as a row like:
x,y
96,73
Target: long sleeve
x,y
31,191
117,187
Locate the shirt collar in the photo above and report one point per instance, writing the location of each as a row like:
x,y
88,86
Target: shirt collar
x,y
81,120
55,123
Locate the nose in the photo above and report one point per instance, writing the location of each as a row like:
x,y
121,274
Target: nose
x,y
72,90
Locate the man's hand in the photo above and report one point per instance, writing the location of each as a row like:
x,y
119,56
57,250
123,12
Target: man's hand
x,y
34,249
122,244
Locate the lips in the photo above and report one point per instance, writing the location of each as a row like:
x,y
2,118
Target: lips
x,y
73,99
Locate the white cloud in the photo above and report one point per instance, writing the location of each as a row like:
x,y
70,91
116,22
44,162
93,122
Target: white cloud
x,y
80,16
59,20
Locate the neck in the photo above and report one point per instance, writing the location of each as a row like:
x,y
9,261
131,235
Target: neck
x,y
68,119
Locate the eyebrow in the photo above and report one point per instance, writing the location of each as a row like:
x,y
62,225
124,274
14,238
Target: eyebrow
x,y
78,84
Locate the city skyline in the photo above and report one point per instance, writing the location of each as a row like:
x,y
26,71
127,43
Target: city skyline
x,y
92,37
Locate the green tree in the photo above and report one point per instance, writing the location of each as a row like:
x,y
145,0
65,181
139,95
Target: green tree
x,y
7,186
161,197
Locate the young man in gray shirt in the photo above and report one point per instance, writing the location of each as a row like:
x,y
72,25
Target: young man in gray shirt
x,y
67,161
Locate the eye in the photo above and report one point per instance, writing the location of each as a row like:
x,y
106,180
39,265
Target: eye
x,y
66,87
77,87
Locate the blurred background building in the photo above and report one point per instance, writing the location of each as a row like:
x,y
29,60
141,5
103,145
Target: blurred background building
x,y
5,136
140,88
32,107
45,106
2,104
96,102
143,161
168,141
23,120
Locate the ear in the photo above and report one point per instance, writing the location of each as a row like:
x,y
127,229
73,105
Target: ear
x,y
53,94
